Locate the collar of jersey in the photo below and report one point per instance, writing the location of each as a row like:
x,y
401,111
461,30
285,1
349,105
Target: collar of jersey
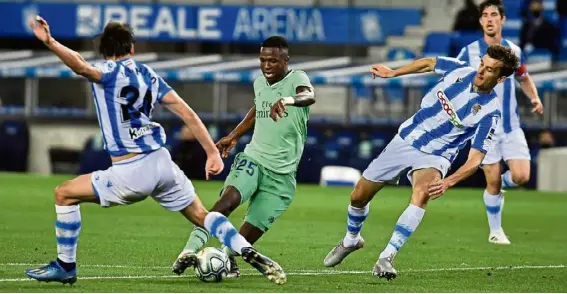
x,y
287,75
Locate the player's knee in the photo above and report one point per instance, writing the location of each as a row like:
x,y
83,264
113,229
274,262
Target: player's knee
x,y
521,177
228,202
493,185
62,194
420,196
358,197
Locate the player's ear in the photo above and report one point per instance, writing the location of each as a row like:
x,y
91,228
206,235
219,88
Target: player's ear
x,y
501,79
132,49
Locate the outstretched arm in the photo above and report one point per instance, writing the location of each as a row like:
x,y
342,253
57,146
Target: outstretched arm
x,y
418,66
227,143
71,58
246,124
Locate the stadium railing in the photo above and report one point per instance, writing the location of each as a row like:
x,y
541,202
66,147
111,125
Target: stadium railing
x,y
219,71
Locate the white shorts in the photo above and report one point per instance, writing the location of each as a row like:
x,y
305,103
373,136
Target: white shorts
x,y
400,156
133,180
507,146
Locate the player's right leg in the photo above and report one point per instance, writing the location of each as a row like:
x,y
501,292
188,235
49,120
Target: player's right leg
x,y
221,228
68,195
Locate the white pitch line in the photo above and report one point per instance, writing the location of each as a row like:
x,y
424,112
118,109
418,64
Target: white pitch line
x,y
299,272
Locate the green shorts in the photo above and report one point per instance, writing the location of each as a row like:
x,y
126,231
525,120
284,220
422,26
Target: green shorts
x,y
270,193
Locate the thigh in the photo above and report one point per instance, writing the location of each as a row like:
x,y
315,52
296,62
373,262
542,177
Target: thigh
x,y
420,185
393,160
515,147
77,190
264,208
244,176
274,196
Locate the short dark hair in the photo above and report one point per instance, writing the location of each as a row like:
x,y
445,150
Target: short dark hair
x,y
275,42
510,61
116,40
487,3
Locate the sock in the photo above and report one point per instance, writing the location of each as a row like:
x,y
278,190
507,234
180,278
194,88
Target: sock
x,y
507,181
67,228
221,228
406,225
229,252
197,240
356,217
493,210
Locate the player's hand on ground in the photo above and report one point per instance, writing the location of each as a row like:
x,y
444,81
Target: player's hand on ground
x,y
214,165
40,29
437,188
382,71
537,107
277,110
226,144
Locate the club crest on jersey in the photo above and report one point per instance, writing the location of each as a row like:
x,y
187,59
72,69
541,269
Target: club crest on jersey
x,y
449,109
476,108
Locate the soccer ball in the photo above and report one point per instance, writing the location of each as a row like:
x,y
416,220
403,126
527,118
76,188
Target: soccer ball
x,y
212,265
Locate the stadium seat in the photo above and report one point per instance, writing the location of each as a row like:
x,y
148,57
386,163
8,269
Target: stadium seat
x,y
93,156
462,39
14,147
437,44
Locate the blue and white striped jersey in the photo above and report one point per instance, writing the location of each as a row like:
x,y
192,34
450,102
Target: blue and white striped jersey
x,y
125,98
452,113
506,91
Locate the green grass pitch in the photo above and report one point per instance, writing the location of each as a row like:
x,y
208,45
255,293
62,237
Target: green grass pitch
x,y
131,249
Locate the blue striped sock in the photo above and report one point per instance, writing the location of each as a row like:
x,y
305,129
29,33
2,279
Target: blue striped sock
x,y
355,218
221,228
493,205
406,225
67,229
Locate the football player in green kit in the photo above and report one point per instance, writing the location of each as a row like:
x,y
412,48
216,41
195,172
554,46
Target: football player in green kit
x,y
264,174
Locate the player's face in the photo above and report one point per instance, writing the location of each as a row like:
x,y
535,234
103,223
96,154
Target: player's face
x,y
491,21
273,62
488,74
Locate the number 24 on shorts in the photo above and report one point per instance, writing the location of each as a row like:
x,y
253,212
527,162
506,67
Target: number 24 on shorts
x,y
249,169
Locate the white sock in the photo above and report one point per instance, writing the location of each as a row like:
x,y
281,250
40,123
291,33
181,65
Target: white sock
x,y
67,228
493,205
356,217
229,252
507,181
406,225
221,228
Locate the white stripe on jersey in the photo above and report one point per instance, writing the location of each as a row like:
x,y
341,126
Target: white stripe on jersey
x,y
452,114
506,91
125,98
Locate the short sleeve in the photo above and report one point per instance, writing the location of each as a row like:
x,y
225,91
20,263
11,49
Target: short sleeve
x,y
109,70
300,79
163,89
482,140
445,65
464,55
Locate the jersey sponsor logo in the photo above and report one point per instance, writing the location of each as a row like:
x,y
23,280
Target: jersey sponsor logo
x,y
449,109
136,133
476,108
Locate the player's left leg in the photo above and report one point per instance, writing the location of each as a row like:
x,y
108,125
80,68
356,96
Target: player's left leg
x,y
410,219
516,154
68,196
